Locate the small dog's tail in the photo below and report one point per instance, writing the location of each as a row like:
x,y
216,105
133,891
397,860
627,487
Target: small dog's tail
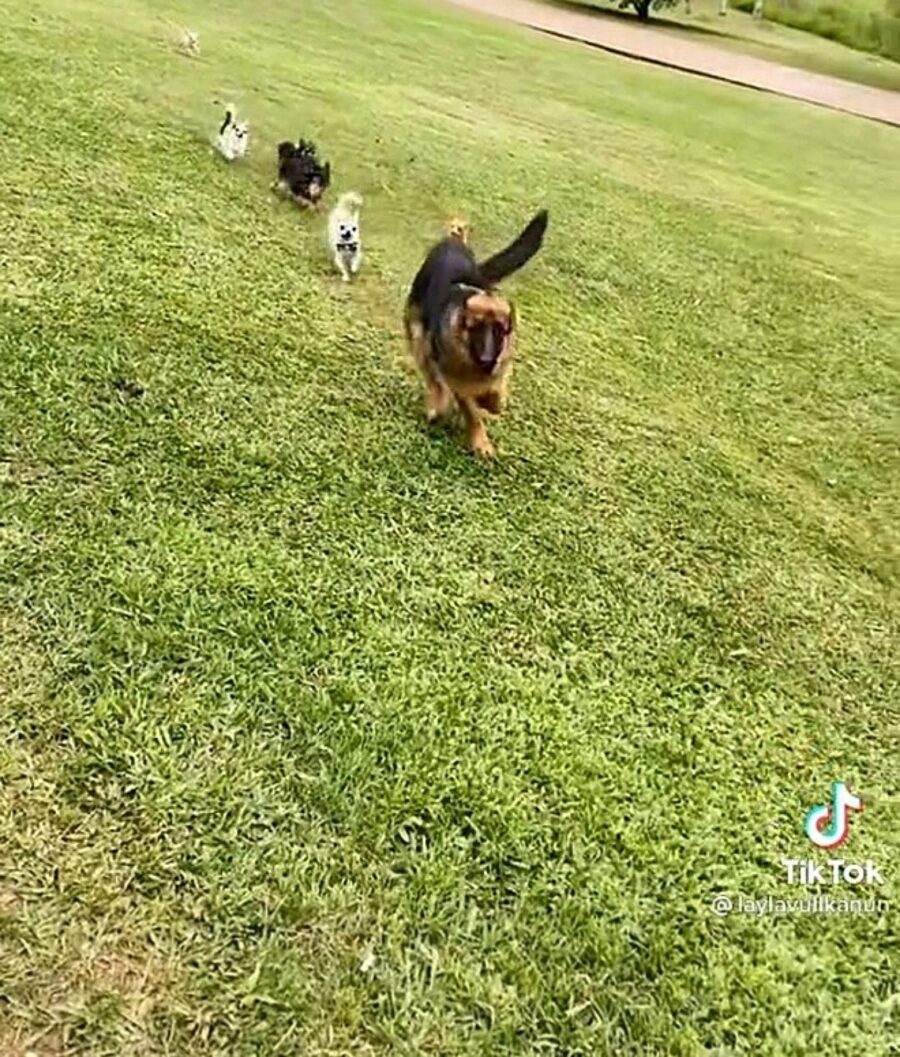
x,y
517,253
229,116
350,202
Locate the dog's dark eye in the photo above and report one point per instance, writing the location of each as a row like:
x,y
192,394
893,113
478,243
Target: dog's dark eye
x,y
501,333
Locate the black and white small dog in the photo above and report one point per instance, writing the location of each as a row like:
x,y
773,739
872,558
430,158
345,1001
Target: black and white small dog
x,y
344,238
301,174
233,137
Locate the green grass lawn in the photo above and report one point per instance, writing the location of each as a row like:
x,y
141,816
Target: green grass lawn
x,y
321,738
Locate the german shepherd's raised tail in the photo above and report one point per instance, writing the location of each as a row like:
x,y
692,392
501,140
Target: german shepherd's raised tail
x,y
461,334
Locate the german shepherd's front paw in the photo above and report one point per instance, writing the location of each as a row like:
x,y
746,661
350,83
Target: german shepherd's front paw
x,y
482,448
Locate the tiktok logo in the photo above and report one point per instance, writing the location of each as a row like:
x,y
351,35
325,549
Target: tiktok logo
x,y
828,825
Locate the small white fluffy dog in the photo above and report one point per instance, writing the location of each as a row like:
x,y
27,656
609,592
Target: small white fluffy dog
x,y
344,239
233,137
190,42
186,40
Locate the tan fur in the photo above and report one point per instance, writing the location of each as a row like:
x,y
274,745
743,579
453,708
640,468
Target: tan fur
x,y
458,228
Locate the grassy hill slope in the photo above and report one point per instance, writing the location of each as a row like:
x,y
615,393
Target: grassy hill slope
x,y
321,738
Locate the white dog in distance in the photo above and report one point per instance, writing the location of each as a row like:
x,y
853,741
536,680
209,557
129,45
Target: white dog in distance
x,y
189,42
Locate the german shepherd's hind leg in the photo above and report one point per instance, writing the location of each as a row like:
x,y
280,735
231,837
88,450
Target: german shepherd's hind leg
x,y
437,398
479,441
437,395
415,336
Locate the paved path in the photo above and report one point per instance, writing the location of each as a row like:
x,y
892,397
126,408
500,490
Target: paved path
x,y
650,45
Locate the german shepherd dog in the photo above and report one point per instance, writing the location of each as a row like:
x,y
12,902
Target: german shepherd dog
x,y
460,333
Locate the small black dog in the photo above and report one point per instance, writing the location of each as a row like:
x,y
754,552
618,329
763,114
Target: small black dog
x,y
301,174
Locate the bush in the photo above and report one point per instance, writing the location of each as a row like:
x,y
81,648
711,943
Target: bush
x,y
887,30
864,30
